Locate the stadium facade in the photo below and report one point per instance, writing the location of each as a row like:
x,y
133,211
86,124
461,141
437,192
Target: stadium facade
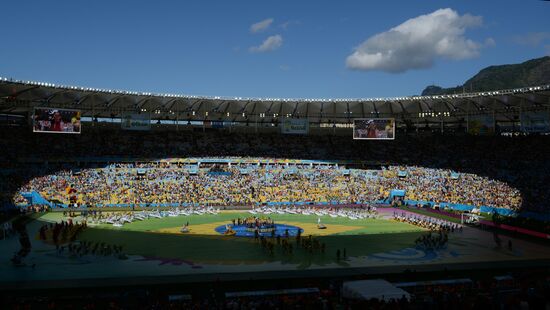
x,y
442,112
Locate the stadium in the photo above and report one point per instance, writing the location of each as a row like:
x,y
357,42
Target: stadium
x,y
133,199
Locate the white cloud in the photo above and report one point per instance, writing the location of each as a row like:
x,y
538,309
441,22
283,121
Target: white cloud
x,y
270,44
418,42
261,26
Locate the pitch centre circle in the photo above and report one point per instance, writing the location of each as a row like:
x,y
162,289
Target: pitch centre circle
x,y
274,230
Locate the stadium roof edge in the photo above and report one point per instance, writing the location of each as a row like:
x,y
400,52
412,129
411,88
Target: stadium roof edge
x,y
527,89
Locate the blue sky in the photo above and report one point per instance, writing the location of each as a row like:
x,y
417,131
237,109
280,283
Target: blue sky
x,y
209,48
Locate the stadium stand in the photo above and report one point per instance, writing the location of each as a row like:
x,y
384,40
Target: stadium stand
x,y
493,170
517,290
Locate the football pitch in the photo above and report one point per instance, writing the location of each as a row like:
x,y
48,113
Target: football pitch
x,y
154,249
161,238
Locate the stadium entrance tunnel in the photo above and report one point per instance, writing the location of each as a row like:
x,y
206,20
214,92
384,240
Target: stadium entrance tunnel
x,y
282,230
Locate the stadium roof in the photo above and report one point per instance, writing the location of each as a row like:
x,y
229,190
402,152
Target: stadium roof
x,y
21,97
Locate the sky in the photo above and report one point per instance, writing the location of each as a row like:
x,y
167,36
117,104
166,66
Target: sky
x,y
268,49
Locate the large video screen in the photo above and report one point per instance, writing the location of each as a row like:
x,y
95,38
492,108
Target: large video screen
x,y
295,126
374,129
133,121
481,125
52,120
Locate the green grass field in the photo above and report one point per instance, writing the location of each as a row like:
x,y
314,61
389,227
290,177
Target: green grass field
x,y
358,237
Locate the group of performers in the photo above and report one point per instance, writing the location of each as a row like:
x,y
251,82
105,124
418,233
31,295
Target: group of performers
x,y
185,228
438,236
433,241
260,226
255,224
430,223
83,248
309,244
263,224
63,232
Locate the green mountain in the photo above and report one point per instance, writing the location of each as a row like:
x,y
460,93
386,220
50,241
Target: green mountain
x,y
530,73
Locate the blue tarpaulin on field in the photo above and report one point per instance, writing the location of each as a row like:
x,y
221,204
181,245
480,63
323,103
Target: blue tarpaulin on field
x,y
456,206
501,211
34,198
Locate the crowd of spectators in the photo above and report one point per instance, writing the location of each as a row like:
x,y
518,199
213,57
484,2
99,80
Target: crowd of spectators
x,y
277,183
521,162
